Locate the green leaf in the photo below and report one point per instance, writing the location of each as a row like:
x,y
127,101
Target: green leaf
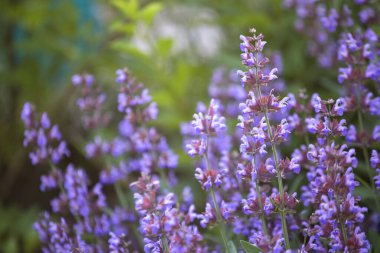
x,y
128,8
128,48
296,184
249,248
164,46
123,27
231,247
365,193
150,11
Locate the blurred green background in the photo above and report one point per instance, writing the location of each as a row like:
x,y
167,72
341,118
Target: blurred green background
x,y
172,46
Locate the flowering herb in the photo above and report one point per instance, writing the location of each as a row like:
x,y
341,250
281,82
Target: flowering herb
x,y
257,188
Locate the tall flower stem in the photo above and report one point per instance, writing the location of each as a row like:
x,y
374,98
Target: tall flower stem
x,y
342,225
279,176
217,211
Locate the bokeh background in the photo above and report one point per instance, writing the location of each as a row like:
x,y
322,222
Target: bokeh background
x,y
172,46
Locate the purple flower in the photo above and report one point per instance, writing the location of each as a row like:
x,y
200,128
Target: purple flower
x,y
295,166
376,133
311,125
152,246
60,152
373,104
125,128
316,102
371,35
340,106
45,121
76,80
55,133
43,138
168,159
329,22
211,122
282,131
117,244
122,76
375,163
375,160
351,134
75,184
377,179
207,217
366,14
344,74
51,181
373,71
84,79
197,147
342,52
326,124
208,178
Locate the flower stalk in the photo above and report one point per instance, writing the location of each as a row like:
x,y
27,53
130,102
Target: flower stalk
x,y
279,175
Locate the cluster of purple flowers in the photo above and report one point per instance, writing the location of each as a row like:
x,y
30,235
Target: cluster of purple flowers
x,y
44,139
263,130
165,227
208,139
239,144
337,217
91,102
82,219
344,37
322,22
80,206
146,149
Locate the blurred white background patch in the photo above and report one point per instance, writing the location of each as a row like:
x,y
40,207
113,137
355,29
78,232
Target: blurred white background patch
x,y
193,31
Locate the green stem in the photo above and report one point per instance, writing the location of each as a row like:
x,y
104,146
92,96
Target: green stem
x,y
279,176
342,226
164,242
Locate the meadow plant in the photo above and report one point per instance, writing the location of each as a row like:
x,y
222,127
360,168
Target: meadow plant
x,y
259,190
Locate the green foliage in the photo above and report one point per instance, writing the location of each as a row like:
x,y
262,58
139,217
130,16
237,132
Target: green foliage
x,y
134,14
249,248
231,247
374,236
16,230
